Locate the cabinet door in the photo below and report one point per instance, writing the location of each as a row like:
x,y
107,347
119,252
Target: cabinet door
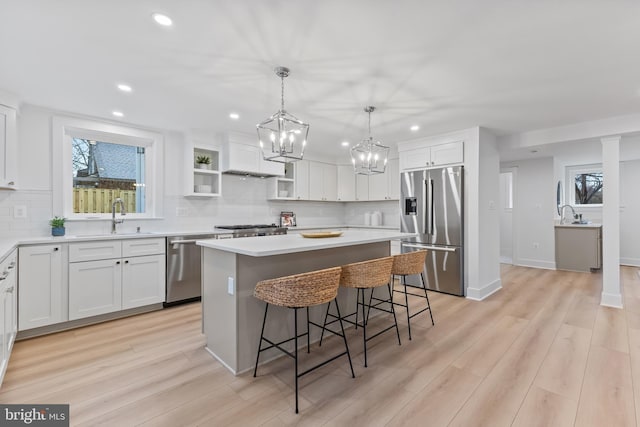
x,y
393,179
316,191
95,287
445,154
414,159
362,188
8,147
4,354
143,281
40,272
378,186
301,177
346,183
330,183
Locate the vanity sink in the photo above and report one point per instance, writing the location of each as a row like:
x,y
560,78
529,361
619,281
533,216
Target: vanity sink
x,y
582,221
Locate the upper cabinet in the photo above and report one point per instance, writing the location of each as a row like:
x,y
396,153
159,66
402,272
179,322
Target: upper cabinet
x,y
323,181
346,183
242,155
8,148
432,156
301,178
385,186
203,171
282,188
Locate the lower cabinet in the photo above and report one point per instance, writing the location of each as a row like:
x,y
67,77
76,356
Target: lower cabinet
x,y
40,269
8,309
103,286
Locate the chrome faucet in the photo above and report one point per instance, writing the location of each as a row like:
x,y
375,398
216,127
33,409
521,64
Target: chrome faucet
x,y
123,211
562,218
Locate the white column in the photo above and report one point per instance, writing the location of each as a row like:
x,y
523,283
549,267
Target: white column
x,y
611,291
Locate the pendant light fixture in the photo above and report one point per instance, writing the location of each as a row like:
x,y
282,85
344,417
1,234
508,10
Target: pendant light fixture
x,y
369,157
282,136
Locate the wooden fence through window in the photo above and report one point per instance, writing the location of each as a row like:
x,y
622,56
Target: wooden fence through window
x,y
99,200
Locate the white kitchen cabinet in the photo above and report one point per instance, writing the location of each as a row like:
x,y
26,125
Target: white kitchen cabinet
x,y
301,178
432,156
241,154
121,274
386,186
323,183
346,183
143,281
362,188
40,296
203,180
95,287
8,309
8,148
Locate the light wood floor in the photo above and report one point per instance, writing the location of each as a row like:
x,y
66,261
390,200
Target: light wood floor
x,y
539,352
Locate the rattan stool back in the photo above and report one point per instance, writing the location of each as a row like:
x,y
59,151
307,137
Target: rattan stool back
x,y
300,290
367,274
409,263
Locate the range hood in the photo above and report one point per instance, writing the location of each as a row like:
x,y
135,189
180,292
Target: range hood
x,y
242,156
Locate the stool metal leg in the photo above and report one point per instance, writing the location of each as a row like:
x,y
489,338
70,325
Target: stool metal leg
x,y
264,320
324,325
308,340
395,320
295,328
364,327
344,337
406,301
427,297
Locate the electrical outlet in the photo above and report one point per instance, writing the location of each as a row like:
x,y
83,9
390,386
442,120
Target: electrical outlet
x,y
20,211
182,211
230,285
536,245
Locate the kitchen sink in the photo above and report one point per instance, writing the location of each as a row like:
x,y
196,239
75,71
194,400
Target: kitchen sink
x,y
97,236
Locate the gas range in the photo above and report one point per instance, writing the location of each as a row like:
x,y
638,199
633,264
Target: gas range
x,y
251,230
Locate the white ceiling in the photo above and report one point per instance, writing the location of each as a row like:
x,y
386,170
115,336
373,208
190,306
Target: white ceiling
x,y
509,65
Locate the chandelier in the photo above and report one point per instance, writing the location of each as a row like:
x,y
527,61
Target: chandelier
x,y
282,136
369,157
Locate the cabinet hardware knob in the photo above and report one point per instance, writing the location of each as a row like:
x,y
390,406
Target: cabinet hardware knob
x,y
56,248
117,262
11,183
126,262
10,289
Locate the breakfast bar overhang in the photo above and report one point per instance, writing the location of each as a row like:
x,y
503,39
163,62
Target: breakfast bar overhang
x,y
231,316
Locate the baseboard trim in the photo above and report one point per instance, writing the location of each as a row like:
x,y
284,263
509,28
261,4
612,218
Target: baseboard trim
x,y
632,262
611,300
222,362
535,263
478,294
506,260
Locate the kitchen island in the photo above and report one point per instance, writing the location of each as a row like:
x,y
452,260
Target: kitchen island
x,y
232,317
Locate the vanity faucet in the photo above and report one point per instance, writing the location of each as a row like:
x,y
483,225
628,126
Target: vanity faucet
x,y
562,218
123,211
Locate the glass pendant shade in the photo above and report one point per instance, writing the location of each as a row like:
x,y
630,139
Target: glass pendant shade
x,y
282,137
369,157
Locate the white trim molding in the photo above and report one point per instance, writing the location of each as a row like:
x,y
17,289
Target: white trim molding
x,y
478,294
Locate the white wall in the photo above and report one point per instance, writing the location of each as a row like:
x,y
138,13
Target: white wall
x,y
629,213
534,212
243,200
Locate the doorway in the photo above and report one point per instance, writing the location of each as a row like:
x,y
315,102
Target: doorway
x,y
507,203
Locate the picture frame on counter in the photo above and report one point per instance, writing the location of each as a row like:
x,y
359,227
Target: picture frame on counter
x,y
287,219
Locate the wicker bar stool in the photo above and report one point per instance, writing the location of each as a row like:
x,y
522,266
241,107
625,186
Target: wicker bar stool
x,y
296,292
411,263
366,275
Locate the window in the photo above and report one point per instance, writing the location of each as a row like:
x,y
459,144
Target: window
x,y
95,163
585,185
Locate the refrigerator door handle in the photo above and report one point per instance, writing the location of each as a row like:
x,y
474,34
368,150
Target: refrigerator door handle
x,y
431,248
430,206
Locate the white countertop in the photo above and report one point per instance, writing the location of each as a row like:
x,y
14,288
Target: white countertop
x,y
291,243
589,225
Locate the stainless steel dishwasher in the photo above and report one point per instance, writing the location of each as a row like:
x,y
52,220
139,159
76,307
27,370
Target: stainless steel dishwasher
x,y
183,268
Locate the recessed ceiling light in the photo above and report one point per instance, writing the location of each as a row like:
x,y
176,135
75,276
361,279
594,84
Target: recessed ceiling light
x,y
163,20
117,113
125,88
345,143
414,128
234,116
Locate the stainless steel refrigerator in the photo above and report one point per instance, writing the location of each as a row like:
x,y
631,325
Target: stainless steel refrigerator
x,y
432,203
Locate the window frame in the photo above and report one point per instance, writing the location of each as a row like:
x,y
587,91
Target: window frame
x,y
64,128
570,192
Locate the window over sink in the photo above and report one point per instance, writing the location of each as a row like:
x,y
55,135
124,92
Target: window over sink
x,y
95,163
585,185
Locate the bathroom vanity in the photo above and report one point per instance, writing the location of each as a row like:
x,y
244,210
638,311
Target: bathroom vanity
x,y
578,247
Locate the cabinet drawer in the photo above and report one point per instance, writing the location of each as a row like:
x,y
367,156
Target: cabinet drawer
x,y
91,251
9,263
139,247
